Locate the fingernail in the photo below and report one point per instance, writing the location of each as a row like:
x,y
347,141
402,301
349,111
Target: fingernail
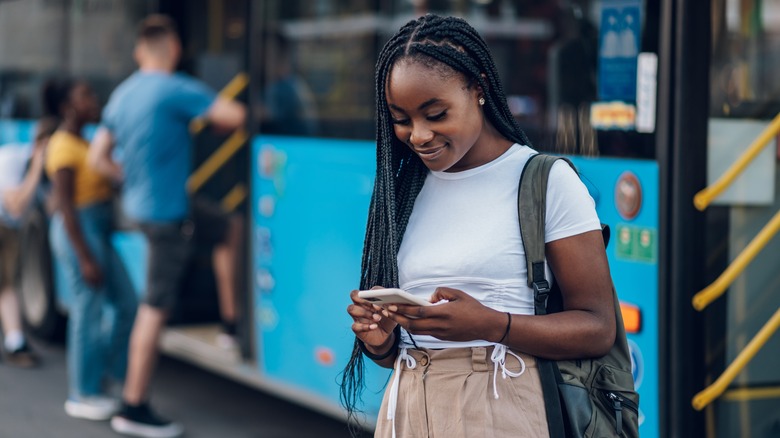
x,y
377,317
373,326
386,313
393,308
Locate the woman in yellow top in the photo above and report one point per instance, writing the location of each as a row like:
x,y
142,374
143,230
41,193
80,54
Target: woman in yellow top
x,y
80,239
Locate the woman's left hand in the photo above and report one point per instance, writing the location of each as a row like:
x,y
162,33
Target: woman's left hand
x,y
461,318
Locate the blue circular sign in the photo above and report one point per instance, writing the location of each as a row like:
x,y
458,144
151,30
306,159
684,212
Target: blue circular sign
x,y
637,363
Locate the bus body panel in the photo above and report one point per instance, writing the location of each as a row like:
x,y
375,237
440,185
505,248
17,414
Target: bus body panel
x,y
633,263
310,201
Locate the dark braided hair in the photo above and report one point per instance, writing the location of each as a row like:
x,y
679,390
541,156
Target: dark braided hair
x,y
448,45
55,94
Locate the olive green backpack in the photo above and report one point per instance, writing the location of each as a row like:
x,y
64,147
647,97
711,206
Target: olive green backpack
x,y
587,397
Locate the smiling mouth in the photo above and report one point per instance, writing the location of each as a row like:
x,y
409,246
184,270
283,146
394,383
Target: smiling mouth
x,y
431,153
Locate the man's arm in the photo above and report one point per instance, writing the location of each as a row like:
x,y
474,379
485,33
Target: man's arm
x,y
226,114
99,156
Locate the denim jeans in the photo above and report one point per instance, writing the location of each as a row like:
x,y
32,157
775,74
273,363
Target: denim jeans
x,y
100,319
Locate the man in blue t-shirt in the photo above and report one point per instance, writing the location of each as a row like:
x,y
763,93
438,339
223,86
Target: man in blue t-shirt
x,y
147,118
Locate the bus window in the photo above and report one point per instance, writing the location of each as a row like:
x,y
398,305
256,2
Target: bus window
x,y
68,47
312,67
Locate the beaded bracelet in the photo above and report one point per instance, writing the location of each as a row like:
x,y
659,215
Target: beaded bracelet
x,y
382,356
508,326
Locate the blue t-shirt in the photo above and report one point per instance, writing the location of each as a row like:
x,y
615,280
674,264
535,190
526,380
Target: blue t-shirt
x,y
148,115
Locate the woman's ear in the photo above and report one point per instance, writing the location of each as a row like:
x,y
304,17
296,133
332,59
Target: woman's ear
x,y
480,93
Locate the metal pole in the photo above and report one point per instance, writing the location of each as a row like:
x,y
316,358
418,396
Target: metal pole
x,y
682,151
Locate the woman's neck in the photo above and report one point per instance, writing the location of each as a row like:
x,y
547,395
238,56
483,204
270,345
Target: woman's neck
x,y
72,126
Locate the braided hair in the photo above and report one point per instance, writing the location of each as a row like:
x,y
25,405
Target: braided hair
x,y
55,94
447,45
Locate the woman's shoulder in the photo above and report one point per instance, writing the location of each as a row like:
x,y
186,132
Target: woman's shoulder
x,y
516,156
65,140
65,150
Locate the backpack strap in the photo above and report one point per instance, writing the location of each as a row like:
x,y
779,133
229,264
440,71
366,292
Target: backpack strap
x,y
531,208
532,211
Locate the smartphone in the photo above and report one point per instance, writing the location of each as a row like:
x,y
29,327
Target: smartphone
x,y
382,297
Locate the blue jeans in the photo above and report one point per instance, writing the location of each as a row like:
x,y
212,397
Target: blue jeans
x,y
100,319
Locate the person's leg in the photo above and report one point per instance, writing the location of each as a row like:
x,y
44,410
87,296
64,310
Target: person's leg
x,y
15,346
124,301
224,234
84,337
225,259
169,251
86,340
9,305
9,314
149,322
16,350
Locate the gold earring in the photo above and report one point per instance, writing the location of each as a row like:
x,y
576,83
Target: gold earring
x,y
481,101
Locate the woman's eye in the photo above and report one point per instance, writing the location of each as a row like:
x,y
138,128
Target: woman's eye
x,y
436,117
399,121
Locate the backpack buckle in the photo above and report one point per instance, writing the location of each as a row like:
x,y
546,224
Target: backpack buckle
x,y
541,293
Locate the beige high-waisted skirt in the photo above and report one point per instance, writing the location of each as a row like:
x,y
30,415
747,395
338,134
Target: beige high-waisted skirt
x,y
449,394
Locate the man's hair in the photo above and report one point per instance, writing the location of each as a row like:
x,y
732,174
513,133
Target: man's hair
x,y
156,28
448,45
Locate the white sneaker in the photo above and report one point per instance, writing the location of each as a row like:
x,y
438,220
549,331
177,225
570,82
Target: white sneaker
x,y
94,408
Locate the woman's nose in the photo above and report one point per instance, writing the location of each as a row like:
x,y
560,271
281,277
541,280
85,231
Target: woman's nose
x,y
420,135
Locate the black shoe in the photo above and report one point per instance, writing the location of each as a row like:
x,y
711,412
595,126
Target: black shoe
x,y
141,421
22,357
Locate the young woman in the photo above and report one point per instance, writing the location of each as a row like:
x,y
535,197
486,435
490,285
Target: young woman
x,y
443,226
79,234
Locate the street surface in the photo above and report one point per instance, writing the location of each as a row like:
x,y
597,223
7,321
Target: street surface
x,y
209,406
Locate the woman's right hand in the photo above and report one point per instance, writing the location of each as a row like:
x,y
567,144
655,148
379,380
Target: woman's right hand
x,y
90,270
368,323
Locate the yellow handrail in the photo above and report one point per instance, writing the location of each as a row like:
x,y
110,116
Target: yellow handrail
x,y
743,394
707,295
216,160
703,199
231,90
234,198
710,393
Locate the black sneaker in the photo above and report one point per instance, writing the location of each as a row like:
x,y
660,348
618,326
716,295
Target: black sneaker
x,y
141,421
22,357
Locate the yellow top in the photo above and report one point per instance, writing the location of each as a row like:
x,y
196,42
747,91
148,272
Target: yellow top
x,y
67,151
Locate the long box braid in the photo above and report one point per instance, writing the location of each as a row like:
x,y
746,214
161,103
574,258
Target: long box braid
x,y
447,44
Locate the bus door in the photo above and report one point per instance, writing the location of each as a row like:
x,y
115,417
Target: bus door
x,y
740,390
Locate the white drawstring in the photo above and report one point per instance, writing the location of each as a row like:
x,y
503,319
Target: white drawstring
x,y
499,359
411,364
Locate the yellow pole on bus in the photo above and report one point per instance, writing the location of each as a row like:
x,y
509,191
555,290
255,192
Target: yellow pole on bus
x,y
703,199
710,393
707,295
230,91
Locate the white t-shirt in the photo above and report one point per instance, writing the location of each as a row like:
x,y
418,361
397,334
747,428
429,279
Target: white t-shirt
x,y
463,233
13,164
